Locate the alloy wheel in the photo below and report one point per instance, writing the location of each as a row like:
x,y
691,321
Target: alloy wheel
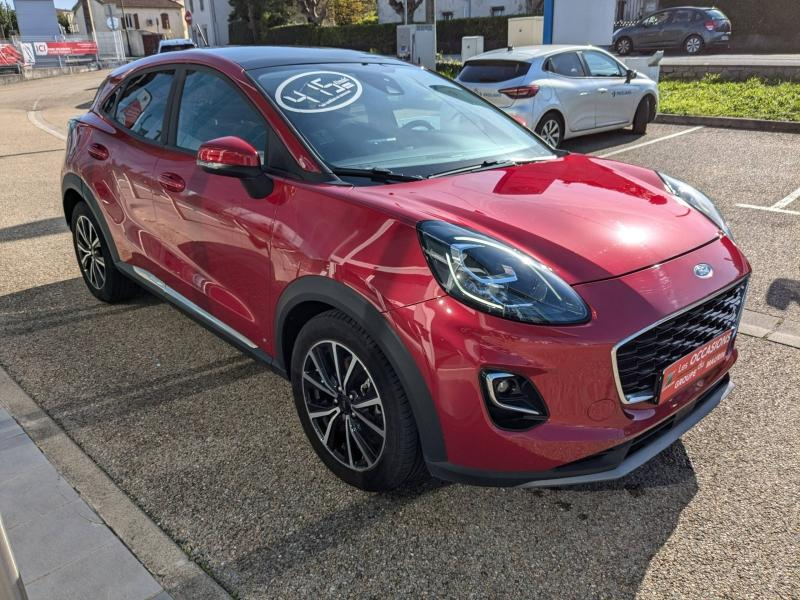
x,y
90,254
623,46
693,45
344,405
551,132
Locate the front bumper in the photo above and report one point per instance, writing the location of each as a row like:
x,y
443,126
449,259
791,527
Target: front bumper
x,y
570,366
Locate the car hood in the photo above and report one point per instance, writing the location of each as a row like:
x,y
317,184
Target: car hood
x,y
586,218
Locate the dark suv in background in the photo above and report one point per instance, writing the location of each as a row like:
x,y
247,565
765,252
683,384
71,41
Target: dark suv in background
x,y
688,28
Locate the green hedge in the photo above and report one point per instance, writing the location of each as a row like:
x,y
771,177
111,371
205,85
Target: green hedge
x,y
377,37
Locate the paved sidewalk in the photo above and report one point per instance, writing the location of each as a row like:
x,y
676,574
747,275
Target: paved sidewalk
x,y
63,549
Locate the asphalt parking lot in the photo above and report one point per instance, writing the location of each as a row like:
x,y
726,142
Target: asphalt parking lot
x,y
207,442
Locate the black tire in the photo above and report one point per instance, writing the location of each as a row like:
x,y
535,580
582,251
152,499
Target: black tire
x,y
106,282
624,46
400,462
545,129
693,45
642,116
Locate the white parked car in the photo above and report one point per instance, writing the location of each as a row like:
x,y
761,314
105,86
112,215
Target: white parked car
x,y
175,45
563,91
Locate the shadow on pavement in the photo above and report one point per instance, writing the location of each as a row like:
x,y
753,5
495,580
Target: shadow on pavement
x,y
600,141
33,229
207,442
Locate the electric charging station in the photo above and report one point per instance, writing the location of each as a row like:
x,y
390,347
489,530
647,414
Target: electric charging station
x,y
417,44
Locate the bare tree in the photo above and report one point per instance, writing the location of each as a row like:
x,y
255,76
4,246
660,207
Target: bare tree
x,y
400,5
314,10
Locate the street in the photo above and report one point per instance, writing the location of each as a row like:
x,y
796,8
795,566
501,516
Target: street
x,y
207,442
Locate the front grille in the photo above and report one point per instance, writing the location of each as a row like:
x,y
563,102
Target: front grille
x,y
642,359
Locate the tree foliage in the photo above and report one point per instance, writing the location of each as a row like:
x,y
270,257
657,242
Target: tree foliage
x,y
259,14
353,12
64,22
8,20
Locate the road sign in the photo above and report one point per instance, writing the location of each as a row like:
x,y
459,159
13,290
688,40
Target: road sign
x,y
188,17
113,23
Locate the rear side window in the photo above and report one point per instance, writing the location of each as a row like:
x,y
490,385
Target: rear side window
x,y
211,108
717,15
567,64
601,65
492,71
144,103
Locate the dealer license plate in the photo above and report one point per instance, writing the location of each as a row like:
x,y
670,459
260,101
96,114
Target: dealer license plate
x,y
686,371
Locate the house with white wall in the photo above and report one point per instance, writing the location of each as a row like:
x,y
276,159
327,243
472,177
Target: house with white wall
x,y
209,21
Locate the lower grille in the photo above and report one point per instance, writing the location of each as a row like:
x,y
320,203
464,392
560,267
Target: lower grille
x,y
641,360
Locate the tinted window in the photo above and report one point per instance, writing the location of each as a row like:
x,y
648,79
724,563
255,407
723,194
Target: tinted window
x,y
568,64
683,16
601,65
492,71
211,108
144,102
176,47
716,15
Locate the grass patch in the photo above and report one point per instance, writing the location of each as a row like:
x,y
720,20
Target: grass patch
x,y
752,99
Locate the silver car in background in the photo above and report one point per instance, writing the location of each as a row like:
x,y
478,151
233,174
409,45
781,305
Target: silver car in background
x,y
562,91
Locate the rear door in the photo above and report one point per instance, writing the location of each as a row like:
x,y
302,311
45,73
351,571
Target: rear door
x,y
614,97
574,90
678,27
214,234
487,77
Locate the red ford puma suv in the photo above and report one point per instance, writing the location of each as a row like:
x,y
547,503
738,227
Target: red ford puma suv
x,y
446,293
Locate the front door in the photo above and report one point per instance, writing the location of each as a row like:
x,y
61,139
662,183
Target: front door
x,y
613,96
652,35
215,234
574,90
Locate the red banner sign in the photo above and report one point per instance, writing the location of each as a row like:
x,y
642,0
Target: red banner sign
x,y
9,55
64,48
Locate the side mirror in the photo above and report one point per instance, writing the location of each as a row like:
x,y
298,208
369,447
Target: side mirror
x,y
629,75
230,156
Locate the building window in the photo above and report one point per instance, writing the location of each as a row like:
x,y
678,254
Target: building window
x,y
498,11
191,5
447,16
202,6
164,21
131,21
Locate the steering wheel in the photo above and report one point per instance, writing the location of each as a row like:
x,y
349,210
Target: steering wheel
x,y
417,124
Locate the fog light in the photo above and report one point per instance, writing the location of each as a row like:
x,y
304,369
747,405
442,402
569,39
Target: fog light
x,y
513,401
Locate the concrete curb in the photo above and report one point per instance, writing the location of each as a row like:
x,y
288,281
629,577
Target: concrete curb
x,y
770,328
177,574
730,123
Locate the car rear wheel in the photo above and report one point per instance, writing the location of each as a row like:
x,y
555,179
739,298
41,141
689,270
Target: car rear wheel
x,y
624,46
95,261
642,116
353,407
551,129
693,45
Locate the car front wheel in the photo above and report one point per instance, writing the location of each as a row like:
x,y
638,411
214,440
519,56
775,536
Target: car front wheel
x,y
623,46
353,407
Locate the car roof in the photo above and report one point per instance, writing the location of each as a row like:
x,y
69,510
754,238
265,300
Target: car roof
x,y
257,57
528,53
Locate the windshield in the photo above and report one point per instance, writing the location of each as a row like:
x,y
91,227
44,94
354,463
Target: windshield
x,y
395,117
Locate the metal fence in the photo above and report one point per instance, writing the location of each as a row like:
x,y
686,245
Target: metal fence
x,y
66,50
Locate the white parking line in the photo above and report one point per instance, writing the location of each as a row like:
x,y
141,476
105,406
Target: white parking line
x,y
779,206
35,119
655,141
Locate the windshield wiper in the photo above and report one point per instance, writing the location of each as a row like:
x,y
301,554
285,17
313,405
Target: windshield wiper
x,y
487,164
376,173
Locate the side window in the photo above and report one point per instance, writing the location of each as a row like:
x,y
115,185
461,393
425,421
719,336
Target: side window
x,y
211,108
601,65
144,103
567,64
682,17
656,19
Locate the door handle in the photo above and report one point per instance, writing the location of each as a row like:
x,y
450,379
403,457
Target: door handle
x,y
172,182
602,90
584,94
98,151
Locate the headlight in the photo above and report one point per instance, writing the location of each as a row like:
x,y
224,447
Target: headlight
x,y
697,200
496,278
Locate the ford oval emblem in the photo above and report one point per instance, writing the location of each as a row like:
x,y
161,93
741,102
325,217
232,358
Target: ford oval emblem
x,y
703,270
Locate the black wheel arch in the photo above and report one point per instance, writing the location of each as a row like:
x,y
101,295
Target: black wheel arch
x,y
75,190
312,294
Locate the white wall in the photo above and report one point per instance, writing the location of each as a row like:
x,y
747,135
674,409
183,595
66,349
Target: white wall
x,y
461,9
584,22
213,14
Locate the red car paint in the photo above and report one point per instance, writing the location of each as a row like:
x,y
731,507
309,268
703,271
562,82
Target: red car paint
x,y
608,229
